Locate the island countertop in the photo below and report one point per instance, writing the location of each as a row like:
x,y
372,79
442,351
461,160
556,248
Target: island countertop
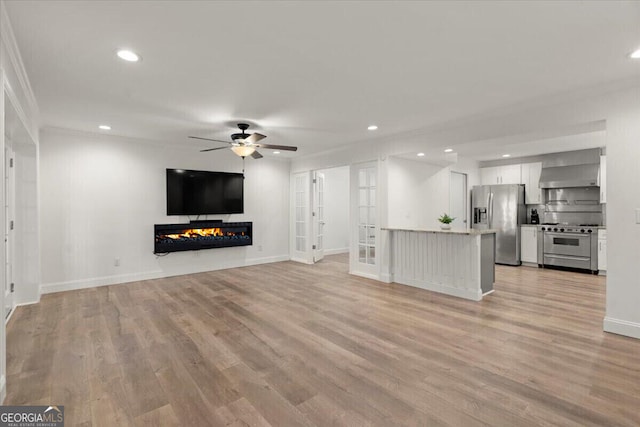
x,y
467,231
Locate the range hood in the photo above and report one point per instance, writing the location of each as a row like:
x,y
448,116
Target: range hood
x,y
570,176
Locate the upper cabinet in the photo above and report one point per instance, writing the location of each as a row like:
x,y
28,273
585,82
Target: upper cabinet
x,y
531,179
509,174
603,179
527,174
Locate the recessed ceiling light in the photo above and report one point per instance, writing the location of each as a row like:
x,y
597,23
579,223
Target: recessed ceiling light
x,y
104,127
635,54
372,127
420,154
506,155
448,150
128,55
276,152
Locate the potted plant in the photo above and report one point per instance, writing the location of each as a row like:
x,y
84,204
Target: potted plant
x,y
445,221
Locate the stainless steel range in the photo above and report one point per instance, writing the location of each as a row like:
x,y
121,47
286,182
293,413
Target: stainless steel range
x,y
574,246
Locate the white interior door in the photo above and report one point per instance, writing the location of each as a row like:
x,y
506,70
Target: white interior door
x,y
9,226
301,224
364,220
318,216
458,199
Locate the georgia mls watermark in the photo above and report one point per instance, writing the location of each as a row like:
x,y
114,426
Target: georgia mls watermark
x,y
31,416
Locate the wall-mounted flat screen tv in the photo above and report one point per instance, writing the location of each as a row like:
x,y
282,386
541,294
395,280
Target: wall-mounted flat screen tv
x,y
191,192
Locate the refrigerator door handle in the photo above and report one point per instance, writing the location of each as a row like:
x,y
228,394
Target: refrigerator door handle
x,y
490,213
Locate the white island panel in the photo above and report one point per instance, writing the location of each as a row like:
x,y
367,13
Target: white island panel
x,y
458,263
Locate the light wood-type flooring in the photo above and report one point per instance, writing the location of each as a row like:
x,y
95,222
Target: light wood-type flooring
x,y
288,344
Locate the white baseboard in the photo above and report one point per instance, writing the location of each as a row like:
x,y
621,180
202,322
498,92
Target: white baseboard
x,y
301,260
365,275
336,251
621,327
94,282
471,294
386,277
48,288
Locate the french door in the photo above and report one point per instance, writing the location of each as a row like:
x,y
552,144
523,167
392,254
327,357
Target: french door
x,y
364,224
318,216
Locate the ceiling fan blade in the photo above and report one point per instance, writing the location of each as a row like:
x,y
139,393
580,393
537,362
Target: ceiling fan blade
x,y
254,137
212,149
277,147
209,139
256,155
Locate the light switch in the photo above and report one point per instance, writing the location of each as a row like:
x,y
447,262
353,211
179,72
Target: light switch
x,y
637,215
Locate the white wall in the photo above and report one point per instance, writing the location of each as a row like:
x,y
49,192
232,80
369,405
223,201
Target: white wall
x,y
336,210
419,192
25,235
414,194
623,203
101,196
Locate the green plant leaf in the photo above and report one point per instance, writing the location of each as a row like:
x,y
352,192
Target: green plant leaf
x,y
446,219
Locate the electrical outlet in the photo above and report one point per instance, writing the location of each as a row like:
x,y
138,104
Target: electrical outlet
x,y
116,262
259,248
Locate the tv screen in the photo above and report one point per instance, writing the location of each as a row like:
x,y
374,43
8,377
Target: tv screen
x,y
192,192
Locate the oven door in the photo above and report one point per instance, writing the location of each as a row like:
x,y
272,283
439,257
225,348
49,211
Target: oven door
x,y
567,249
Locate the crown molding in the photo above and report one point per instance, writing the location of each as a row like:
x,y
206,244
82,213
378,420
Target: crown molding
x,y
13,53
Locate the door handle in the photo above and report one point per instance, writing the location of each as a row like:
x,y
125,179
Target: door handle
x,y
490,210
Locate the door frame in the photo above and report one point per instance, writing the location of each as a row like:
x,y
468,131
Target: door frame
x,y
466,196
9,304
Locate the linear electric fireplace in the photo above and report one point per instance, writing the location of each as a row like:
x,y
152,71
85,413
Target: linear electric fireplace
x,y
201,235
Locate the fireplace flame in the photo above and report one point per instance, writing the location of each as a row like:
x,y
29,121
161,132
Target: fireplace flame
x,y
201,232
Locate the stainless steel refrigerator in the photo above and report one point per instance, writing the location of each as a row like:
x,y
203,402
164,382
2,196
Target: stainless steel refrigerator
x,y
501,208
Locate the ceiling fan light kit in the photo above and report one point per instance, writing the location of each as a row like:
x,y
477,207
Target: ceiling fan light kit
x,y
245,144
243,150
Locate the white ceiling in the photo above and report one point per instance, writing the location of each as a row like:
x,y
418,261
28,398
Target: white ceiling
x,y
312,74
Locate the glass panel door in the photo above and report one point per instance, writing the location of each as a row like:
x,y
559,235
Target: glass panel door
x,y
318,216
300,203
367,215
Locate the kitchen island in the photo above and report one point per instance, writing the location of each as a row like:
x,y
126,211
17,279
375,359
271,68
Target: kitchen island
x,y
454,262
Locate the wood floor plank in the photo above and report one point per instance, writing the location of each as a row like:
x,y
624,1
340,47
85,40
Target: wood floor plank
x,y
271,405
294,344
161,417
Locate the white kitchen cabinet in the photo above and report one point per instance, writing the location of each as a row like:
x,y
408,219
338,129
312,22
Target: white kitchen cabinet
x,y
529,244
511,174
531,180
489,176
508,174
603,179
602,250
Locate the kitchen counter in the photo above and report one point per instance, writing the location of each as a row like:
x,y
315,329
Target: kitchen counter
x,y
467,231
454,262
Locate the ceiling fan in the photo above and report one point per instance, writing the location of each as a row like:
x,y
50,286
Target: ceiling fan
x,y
245,144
